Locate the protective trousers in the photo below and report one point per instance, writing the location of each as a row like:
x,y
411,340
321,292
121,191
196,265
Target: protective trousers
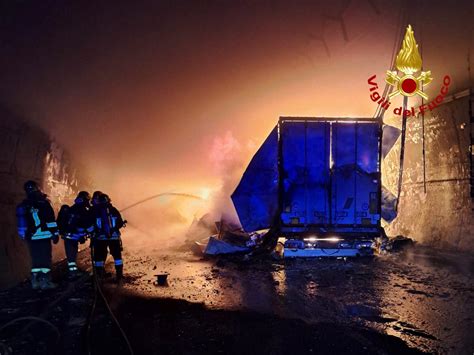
x,y
101,248
71,247
40,252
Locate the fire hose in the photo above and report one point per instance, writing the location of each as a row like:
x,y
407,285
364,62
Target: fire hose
x,y
98,292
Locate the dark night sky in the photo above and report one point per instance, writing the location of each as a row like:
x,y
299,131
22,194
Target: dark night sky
x,y
164,94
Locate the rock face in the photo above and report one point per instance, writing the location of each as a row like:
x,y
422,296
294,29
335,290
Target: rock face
x,y
443,216
27,152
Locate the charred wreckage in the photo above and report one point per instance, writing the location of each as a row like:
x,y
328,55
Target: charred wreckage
x,y
313,189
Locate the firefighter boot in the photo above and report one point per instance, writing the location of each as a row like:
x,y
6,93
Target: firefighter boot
x,y
35,284
119,274
45,282
73,271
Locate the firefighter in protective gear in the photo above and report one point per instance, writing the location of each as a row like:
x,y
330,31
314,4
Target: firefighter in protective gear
x,y
37,226
75,225
106,237
95,197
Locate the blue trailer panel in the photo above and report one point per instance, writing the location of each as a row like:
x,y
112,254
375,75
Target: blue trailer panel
x,y
317,177
314,175
355,175
256,197
305,176
331,176
343,174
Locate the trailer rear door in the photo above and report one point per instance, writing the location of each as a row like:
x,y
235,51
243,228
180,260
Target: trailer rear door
x,y
330,174
354,174
306,180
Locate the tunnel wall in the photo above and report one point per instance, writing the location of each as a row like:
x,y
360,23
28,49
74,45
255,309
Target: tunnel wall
x,y
443,216
27,152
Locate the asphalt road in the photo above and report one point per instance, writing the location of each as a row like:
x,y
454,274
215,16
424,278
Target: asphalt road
x,y
423,297
420,301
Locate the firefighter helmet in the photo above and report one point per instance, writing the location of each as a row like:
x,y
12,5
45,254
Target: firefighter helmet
x,y
31,186
82,196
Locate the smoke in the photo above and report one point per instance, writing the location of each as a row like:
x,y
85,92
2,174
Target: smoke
x,y
161,223
229,158
167,220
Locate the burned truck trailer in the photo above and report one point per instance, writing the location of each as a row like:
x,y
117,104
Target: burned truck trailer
x,y
317,183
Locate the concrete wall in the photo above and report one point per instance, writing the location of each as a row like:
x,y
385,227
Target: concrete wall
x,y
27,152
443,216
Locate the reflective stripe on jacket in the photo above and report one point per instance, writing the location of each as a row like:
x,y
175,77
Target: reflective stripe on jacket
x,y
41,234
81,233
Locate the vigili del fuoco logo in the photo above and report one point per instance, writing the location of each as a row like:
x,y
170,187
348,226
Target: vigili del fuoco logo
x,y
406,82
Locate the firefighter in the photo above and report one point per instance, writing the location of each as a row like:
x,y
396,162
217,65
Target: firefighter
x,y
95,197
75,224
106,237
37,226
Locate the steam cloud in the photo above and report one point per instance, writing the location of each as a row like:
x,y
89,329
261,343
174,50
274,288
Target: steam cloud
x,y
165,221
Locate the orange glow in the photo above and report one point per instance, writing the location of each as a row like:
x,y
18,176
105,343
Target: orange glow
x,y
147,107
